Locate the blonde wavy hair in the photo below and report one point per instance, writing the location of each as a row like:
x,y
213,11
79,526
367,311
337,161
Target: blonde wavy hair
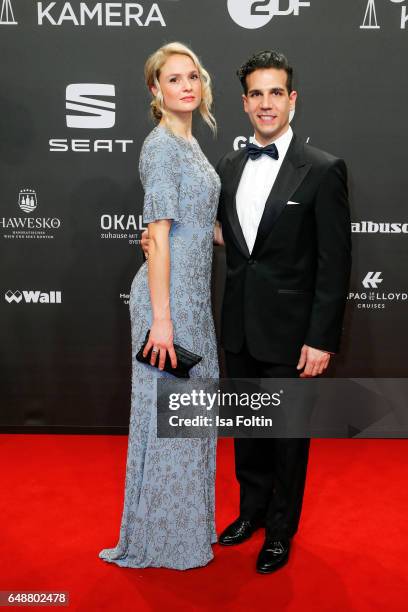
x,y
152,69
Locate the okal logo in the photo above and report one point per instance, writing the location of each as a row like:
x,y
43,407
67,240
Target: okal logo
x,y
370,21
94,113
33,297
122,227
7,15
253,14
27,200
372,280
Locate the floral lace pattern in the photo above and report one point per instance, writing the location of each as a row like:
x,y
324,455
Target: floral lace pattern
x,y
168,513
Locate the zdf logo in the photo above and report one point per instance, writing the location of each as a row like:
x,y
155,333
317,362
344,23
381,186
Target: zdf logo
x,y
253,14
95,113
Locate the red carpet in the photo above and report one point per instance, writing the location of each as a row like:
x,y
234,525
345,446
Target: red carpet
x,y
61,502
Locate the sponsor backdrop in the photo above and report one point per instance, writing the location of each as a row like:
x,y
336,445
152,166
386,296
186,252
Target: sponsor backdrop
x,y
73,115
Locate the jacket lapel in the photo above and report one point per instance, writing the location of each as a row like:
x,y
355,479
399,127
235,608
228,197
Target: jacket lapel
x,y
237,168
292,172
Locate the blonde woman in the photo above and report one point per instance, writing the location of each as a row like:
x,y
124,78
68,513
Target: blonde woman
x,y
168,515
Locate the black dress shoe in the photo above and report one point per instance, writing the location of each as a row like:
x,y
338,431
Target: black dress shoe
x,y
274,554
239,531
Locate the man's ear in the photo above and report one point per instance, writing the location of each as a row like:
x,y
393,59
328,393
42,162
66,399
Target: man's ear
x,y
293,98
245,102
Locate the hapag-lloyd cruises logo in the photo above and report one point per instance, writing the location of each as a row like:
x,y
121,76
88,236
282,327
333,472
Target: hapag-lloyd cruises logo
x,y
29,227
106,14
370,297
372,22
253,14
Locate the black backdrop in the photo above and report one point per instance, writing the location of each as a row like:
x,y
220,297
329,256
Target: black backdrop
x,y
71,199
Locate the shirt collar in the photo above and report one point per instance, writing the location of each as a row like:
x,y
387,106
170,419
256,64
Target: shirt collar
x,y
282,143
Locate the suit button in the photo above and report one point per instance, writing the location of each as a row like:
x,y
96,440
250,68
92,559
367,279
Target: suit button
x,y
251,262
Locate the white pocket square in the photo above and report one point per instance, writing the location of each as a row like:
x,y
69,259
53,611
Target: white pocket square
x,y
290,203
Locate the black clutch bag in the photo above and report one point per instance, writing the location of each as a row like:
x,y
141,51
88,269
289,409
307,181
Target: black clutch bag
x,y
185,359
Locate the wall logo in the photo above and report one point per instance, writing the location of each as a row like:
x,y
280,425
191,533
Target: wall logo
x,y
33,297
27,200
372,299
102,13
29,227
370,21
99,114
253,14
371,227
122,227
372,280
7,15
92,113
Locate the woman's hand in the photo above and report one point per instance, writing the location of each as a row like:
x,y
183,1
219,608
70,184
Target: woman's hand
x,y
161,338
144,243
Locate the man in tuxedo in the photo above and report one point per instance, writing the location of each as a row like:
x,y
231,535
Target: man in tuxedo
x,y
285,223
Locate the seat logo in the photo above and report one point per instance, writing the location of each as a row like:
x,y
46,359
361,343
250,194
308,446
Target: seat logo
x,y
92,113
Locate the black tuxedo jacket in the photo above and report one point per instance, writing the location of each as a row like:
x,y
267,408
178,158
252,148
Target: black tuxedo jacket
x,y
291,290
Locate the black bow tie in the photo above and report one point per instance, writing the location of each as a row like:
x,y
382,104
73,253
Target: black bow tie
x,y
255,152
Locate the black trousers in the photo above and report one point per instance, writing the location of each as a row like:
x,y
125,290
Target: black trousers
x,y
271,471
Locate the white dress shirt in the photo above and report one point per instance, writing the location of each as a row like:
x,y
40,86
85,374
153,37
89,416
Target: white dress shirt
x,y
255,185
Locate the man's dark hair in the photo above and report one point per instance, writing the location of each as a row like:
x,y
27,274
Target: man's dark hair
x,y
265,59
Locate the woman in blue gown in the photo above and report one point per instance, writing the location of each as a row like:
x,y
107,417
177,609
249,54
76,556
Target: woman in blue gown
x,y
168,514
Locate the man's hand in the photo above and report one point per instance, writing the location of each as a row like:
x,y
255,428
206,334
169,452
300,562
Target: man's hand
x,y
313,361
144,243
218,237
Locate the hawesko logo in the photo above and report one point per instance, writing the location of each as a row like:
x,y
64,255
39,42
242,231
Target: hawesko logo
x,y
371,227
7,15
27,200
33,297
372,280
99,114
29,227
370,21
109,14
253,14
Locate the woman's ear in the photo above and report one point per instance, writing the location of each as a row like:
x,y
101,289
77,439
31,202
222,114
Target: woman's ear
x,y
154,90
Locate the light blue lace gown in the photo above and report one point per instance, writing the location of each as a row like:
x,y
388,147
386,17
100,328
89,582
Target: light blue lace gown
x,y
168,514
